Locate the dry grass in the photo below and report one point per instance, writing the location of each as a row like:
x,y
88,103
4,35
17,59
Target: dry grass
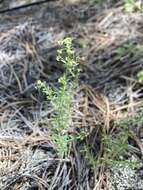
x,y
108,92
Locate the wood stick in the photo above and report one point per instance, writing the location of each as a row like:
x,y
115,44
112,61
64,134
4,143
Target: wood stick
x,y
25,6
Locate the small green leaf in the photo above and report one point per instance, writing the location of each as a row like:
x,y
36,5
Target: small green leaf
x,y
129,5
140,76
